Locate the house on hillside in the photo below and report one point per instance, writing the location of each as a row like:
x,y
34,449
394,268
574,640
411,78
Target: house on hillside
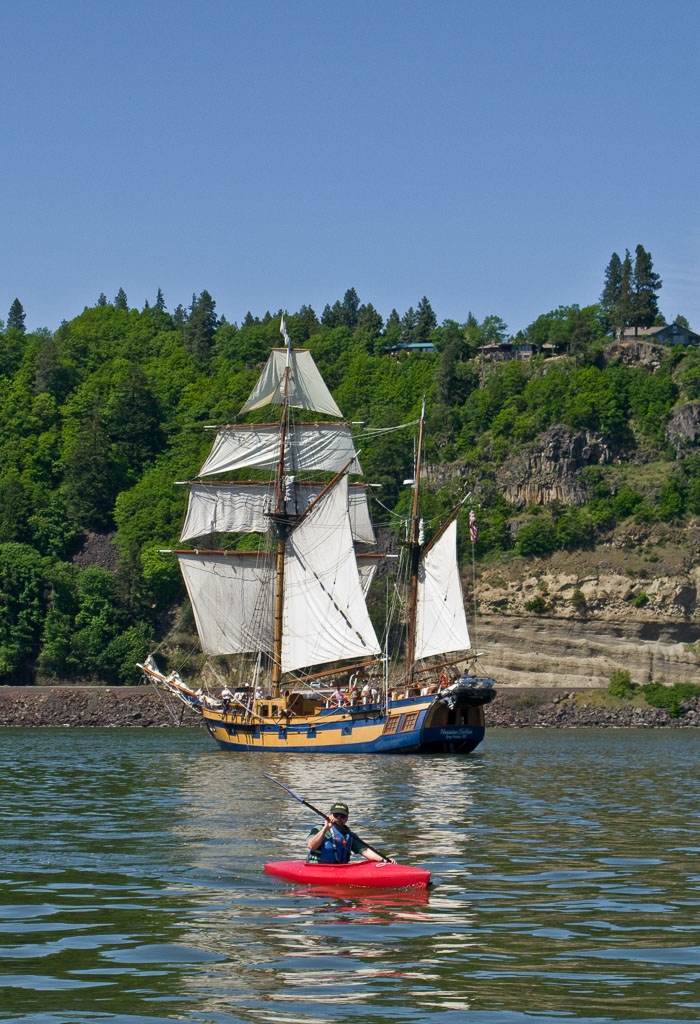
x,y
506,351
411,346
669,334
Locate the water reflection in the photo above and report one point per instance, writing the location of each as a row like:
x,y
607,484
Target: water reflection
x,y
565,869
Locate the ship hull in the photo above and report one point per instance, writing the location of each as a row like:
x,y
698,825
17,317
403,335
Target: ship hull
x,y
406,727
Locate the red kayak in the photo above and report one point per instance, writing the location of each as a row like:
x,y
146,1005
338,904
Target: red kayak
x,y
366,873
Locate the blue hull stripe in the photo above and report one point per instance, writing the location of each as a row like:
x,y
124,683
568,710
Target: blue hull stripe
x,y
459,739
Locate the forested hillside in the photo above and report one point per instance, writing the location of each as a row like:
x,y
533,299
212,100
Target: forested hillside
x,y
99,418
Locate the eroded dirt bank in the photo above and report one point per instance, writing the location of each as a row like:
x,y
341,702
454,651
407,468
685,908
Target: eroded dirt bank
x,y
144,706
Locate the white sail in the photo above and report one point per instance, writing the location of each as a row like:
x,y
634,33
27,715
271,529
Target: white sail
x,y
325,616
244,508
227,508
306,388
367,567
309,447
441,625
231,600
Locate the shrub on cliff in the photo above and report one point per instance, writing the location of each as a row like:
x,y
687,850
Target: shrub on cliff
x,y
621,684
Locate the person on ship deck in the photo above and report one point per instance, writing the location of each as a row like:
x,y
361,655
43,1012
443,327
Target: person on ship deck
x,y
333,843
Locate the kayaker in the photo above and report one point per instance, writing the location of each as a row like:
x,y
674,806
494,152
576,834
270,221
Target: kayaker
x,y
333,843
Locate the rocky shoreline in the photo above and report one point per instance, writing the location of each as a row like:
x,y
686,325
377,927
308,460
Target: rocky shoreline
x,y
147,707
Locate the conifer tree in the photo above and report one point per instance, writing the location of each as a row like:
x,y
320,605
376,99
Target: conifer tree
x,y
308,319
612,284
349,308
369,321
201,327
16,317
160,301
332,316
409,322
392,329
644,305
426,321
622,311
102,301
179,317
120,300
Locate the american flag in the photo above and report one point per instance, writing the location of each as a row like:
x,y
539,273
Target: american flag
x,y
473,532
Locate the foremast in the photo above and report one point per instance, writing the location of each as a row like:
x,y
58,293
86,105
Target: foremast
x,y
301,603
281,528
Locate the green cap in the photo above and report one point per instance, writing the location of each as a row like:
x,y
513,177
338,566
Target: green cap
x,y
340,809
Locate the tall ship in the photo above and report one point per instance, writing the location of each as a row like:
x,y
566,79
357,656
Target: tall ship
x,y
311,674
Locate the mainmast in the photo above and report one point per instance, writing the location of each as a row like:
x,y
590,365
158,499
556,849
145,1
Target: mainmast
x,y
414,547
281,527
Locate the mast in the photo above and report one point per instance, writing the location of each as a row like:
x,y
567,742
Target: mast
x,y
281,527
415,550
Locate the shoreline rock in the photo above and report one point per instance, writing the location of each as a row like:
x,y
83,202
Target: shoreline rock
x,y
147,707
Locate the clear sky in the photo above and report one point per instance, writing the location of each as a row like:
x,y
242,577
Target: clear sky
x,y
490,155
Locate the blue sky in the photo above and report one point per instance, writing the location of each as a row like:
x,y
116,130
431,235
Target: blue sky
x,y
490,155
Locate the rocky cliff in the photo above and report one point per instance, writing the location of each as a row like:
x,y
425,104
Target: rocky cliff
x,y
572,620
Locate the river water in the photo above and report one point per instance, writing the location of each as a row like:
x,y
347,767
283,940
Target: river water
x,y
565,866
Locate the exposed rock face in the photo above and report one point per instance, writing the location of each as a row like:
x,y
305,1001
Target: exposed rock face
x,y
576,629
683,430
636,353
97,549
546,652
549,470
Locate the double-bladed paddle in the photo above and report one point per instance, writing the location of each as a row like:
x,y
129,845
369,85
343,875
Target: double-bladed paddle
x,y
324,816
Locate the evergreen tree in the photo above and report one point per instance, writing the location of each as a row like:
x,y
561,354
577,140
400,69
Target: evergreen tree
x,y
349,308
16,317
332,316
248,320
307,319
120,300
201,327
612,285
369,321
179,317
409,322
160,301
102,301
623,313
645,285
392,329
682,321
426,321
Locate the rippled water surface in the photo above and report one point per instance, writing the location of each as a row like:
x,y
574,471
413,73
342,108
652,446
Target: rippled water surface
x,y
565,866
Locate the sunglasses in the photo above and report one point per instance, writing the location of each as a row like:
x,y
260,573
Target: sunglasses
x,y
336,815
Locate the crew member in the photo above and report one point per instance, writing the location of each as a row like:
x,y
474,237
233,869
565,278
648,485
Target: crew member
x,y
333,843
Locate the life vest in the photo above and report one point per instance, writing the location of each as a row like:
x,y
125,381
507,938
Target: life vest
x,y
335,848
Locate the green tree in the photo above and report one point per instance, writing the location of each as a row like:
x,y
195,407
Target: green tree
x,y
120,300
426,321
22,611
349,309
201,327
16,317
645,285
612,287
